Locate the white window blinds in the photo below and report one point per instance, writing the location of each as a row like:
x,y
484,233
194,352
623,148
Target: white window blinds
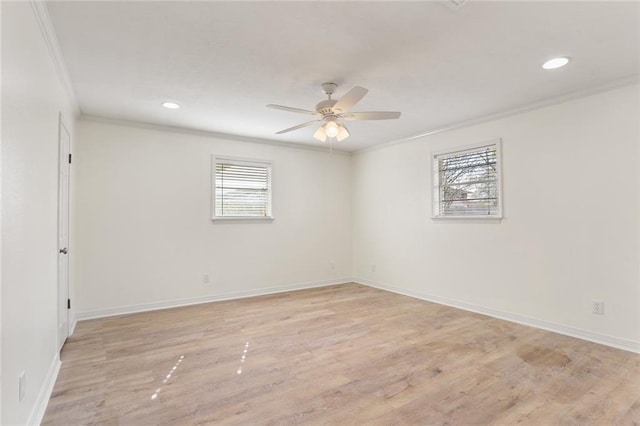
x,y
242,189
467,182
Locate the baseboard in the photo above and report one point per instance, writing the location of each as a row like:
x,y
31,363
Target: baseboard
x,y
72,328
37,413
603,339
131,309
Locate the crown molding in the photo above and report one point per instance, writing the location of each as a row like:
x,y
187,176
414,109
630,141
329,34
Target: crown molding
x,y
39,8
627,81
210,134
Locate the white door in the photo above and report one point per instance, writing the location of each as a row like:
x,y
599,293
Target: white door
x,y
63,233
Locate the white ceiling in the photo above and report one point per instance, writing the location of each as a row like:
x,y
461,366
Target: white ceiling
x,y
224,61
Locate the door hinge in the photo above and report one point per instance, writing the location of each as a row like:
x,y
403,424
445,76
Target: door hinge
x,y
68,303
69,158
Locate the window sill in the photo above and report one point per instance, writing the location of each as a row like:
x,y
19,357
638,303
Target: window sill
x,y
243,219
478,219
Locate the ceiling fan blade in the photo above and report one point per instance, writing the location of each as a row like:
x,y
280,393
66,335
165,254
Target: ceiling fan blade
x,y
299,126
291,109
372,115
349,99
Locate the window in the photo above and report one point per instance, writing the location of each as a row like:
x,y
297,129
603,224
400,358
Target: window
x,y
466,182
242,189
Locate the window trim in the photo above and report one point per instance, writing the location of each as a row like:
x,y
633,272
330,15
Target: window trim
x,y
435,186
215,159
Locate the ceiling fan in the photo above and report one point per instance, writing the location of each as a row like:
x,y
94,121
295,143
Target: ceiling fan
x,y
332,111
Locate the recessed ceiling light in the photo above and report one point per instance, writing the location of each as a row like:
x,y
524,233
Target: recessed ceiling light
x,y
170,105
555,63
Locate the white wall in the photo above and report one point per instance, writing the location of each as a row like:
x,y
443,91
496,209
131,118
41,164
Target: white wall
x,y
570,228
32,98
144,229
144,234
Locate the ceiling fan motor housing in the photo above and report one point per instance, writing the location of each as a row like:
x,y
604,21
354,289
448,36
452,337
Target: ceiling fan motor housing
x,y
326,107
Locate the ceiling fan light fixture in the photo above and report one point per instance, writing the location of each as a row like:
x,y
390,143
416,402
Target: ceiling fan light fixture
x,y
331,128
320,134
343,133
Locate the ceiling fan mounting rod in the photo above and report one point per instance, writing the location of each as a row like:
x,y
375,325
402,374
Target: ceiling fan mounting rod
x,y
329,88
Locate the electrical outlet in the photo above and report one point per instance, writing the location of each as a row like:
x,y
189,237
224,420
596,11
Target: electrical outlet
x,y
206,279
373,267
22,385
598,307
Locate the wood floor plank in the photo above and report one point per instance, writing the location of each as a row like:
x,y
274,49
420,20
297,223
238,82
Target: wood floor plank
x,y
343,355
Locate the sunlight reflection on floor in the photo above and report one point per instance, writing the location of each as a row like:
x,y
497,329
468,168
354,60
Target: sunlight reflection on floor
x,y
243,358
168,376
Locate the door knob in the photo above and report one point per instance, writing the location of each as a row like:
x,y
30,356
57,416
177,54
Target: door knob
x,y
64,250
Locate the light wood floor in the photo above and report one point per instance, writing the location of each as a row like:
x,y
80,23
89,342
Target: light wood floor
x,y
344,355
